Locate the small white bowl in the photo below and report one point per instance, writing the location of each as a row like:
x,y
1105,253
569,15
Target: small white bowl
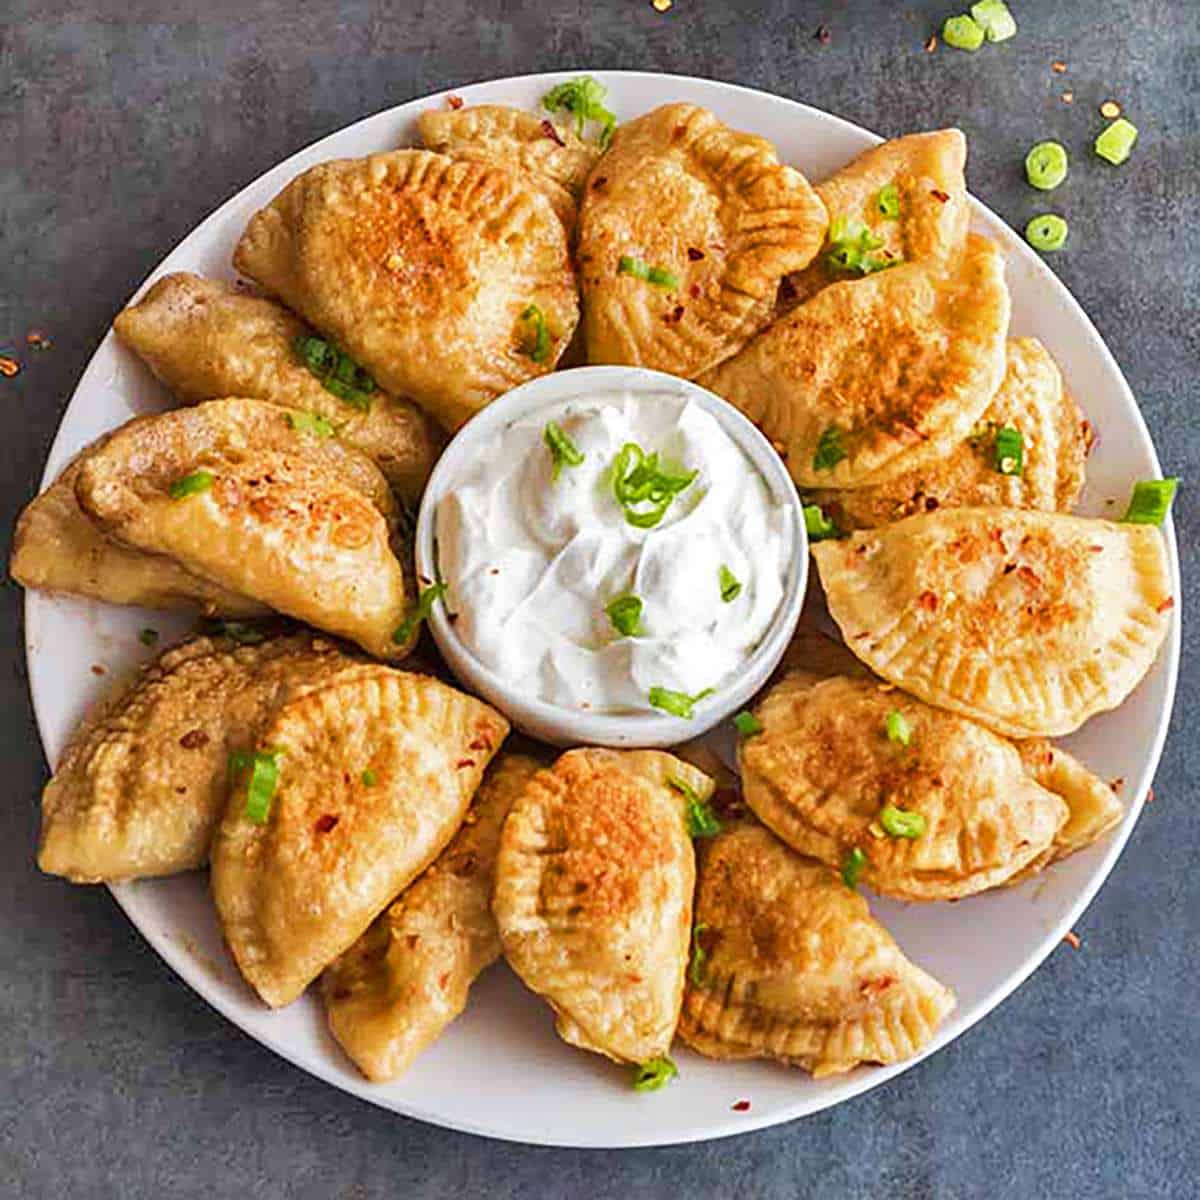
x,y
571,727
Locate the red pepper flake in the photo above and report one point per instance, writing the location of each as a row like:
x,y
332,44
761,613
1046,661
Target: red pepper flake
x,y
694,291
9,366
1166,605
97,669
480,743
867,986
1058,67
1096,549
1028,575
1072,939
1091,437
1050,757
454,101
552,133
443,979
939,195
928,601
694,255
1117,784
464,762
1150,795
931,43
38,340
741,1106
327,822
194,739
822,35
598,184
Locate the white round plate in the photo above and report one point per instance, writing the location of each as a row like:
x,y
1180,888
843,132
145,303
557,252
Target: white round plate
x,y
500,1070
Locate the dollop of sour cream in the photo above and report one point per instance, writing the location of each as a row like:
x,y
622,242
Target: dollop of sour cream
x,y
532,557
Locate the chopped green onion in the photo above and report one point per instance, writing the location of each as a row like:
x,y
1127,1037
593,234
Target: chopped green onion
x,y
995,18
537,347
1047,232
1046,165
584,97
336,370
962,33
852,247
308,422
898,728
1009,451
240,631
191,485
817,525
731,586
887,201
747,724
852,868
659,276
639,479
652,1075
1151,501
698,957
701,820
899,823
264,778
625,613
368,778
564,451
425,601
830,450
678,704
1116,142
148,637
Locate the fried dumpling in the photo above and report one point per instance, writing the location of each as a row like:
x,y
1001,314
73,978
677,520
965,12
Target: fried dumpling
x,y
374,771
398,987
594,895
910,193
553,156
301,523
1054,439
789,964
421,267
142,784
56,548
1029,622
715,213
206,339
874,376
940,809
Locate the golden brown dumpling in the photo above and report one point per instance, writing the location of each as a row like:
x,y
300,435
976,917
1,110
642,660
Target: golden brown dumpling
x,y
594,896
300,523
398,987
375,770
789,964
555,159
420,267
143,782
713,209
1032,401
945,814
925,189
56,548
873,376
206,339
1029,622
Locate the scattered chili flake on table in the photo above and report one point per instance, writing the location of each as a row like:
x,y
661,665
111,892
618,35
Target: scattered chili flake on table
x,y
741,1106
931,43
1058,66
823,36
1072,939
9,366
454,101
38,340
1150,795
1110,109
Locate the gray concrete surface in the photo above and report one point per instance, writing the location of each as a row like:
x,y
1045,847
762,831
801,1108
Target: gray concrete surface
x,y
122,124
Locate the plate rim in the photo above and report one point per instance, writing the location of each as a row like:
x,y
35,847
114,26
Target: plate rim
x,y
177,957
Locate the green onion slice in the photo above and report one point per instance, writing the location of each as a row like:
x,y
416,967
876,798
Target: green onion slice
x,y
899,823
368,778
748,725
994,18
830,450
309,422
537,345
898,728
584,98
148,637
731,585
191,485
853,867
852,246
652,1075
625,613
659,276
1116,142
698,957
701,820
640,480
887,201
1047,232
564,451
1151,501
425,601
1009,451
336,370
678,704
260,791
1046,165
817,525
962,33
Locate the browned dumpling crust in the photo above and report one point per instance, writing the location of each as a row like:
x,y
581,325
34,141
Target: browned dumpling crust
x,y
1028,622
421,266
57,548
301,523
874,376
1032,401
376,768
789,964
594,896
143,782
398,987
827,777
716,211
553,157
207,339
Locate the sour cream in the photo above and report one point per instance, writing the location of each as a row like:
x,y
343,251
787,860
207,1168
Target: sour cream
x,y
531,560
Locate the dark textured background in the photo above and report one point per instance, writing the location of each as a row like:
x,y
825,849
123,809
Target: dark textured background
x,y
121,125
